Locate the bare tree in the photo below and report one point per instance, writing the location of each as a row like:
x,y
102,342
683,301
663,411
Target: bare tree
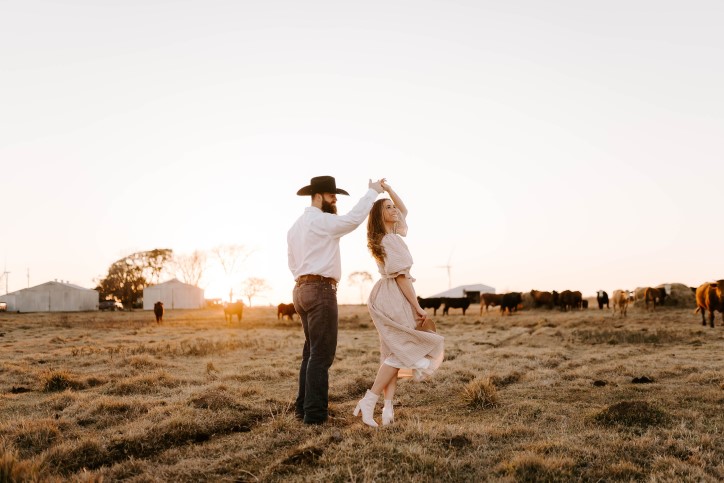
x,y
231,258
191,267
253,286
361,279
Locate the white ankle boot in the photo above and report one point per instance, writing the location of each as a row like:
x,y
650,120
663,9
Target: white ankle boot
x,y
367,406
388,413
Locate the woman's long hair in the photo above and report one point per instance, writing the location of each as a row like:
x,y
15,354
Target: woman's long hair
x,y
376,231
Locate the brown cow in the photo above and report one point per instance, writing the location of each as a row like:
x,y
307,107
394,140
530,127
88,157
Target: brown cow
x,y
286,310
620,300
230,310
577,298
566,300
710,296
489,299
542,298
654,295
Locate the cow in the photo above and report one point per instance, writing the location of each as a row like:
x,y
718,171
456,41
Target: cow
x,y
158,311
654,295
232,309
510,301
602,299
566,300
584,304
542,298
620,301
433,303
577,299
286,310
638,295
455,303
710,296
488,299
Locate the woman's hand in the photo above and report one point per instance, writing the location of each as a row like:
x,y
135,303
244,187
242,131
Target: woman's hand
x,y
386,186
420,316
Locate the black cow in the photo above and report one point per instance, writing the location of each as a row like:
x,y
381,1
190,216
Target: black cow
x,y
158,311
602,299
230,310
286,310
510,301
433,303
455,303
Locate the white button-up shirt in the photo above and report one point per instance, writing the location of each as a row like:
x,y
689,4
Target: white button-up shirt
x,y
313,240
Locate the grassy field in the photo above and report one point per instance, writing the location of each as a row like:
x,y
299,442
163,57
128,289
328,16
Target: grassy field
x,y
536,396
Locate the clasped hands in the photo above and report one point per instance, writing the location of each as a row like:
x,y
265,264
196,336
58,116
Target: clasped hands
x,y
380,185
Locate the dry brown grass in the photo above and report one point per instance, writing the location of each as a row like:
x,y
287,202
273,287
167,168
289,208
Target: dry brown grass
x,y
536,396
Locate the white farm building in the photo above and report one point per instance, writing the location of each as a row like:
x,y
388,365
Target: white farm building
x,y
174,294
472,292
51,297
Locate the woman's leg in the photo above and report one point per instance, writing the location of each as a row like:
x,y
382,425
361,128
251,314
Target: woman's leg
x,y
388,412
367,404
385,375
390,389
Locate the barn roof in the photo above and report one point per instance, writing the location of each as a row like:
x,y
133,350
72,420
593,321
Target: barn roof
x,y
460,291
54,284
174,281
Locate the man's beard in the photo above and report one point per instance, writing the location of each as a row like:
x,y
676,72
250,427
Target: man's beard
x,y
329,207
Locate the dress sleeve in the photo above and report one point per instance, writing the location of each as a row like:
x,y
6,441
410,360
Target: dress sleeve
x,y
398,259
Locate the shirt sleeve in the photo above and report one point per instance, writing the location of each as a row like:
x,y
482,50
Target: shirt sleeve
x,y
339,225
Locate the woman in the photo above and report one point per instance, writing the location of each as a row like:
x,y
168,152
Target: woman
x,y
405,352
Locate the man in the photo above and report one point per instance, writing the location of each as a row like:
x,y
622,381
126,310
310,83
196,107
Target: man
x,y
314,260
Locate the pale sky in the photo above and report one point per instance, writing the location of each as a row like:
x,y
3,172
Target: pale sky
x,y
538,145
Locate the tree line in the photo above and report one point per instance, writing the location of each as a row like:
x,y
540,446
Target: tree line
x,y
128,276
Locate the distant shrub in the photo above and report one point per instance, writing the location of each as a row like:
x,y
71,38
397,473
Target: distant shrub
x,y
59,380
536,468
614,337
480,393
34,436
632,413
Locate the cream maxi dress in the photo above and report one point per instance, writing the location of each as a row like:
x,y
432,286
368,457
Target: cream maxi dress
x,y
416,353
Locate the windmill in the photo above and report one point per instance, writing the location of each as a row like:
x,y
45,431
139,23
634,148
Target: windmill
x,y
448,267
5,274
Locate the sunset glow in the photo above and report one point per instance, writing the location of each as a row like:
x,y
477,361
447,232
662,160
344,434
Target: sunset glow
x,y
537,146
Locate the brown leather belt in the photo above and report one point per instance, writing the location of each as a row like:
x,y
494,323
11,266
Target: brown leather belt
x,y
316,278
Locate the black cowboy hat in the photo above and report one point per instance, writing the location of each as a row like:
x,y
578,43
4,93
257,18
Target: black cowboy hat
x,y
321,184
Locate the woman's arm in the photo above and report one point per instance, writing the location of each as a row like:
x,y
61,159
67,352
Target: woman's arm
x,y
395,198
409,292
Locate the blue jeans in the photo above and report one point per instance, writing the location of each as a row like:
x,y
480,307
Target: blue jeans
x,y
316,303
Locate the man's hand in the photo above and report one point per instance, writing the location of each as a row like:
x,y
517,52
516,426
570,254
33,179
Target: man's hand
x,y
377,185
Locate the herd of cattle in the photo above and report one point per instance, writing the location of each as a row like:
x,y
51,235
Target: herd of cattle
x,y
709,298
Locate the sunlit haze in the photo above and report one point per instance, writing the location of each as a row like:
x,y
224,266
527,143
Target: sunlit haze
x,y
538,145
